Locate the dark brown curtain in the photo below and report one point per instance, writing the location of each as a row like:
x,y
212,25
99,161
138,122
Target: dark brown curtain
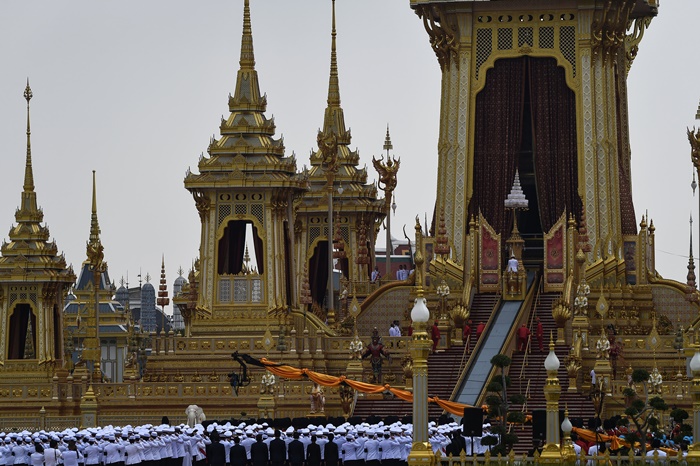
x,y
553,108
628,218
259,253
318,272
344,267
287,263
57,334
232,247
19,322
498,132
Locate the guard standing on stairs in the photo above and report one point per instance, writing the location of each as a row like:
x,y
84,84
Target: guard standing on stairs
x,y
539,334
435,335
523,336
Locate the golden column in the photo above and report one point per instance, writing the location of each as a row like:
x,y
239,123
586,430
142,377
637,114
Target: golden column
x,y
421,451
328,146
552,390
694,450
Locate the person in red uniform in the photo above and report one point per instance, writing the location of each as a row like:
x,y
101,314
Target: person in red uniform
x,y
539,334
480,329
467,332
435,335
523,335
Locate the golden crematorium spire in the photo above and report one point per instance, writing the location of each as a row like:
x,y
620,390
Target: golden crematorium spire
x,y
244,182
94,241
334,119
29,205
31,258
691,294
334,166
247,91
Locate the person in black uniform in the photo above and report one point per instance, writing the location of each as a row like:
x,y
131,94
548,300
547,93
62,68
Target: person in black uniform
x,y
216,453
259,454
457,445
313,453
330,452
237,454
296,451
278,450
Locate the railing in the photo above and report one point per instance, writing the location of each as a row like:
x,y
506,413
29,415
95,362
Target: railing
x,y
240,289
474,353
523,460
540,289
527,396
525,305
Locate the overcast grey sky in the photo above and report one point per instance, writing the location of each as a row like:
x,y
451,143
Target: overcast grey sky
x,y
135,90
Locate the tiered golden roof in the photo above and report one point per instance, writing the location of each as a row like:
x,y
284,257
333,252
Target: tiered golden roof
x,y
30,256
247,154
356,194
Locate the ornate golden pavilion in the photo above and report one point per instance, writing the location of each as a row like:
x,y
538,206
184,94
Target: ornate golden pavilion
x,y
533,88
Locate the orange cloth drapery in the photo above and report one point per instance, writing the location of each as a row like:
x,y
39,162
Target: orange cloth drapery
x,y
326,380
615,441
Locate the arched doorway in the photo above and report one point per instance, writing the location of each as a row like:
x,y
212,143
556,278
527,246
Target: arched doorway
x,y
525,118
22,342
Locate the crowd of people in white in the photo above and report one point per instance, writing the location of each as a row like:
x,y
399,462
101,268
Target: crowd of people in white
x,y
165,445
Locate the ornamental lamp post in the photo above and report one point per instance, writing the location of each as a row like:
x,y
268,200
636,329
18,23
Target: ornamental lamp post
x,y
552,391
567,448
421,451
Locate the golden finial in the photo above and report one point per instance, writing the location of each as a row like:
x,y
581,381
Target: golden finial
x,y
333,85
247,61
94,224
28,172
95,250
419,258
387,142
551,341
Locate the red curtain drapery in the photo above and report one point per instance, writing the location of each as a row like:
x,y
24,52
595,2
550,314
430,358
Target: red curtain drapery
x,y
498,140
498,134
553,111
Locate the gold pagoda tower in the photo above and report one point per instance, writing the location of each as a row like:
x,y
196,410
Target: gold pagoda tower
x,y
352,220
245,184
540,87
34,281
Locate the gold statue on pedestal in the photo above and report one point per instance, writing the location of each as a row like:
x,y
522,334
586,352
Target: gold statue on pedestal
x,y
318,400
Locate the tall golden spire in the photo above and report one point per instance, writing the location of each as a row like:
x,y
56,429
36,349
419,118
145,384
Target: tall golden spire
x,y
28,172
94,224
691,287
247,60
95,250
247,94
29,205
333,85
334,119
